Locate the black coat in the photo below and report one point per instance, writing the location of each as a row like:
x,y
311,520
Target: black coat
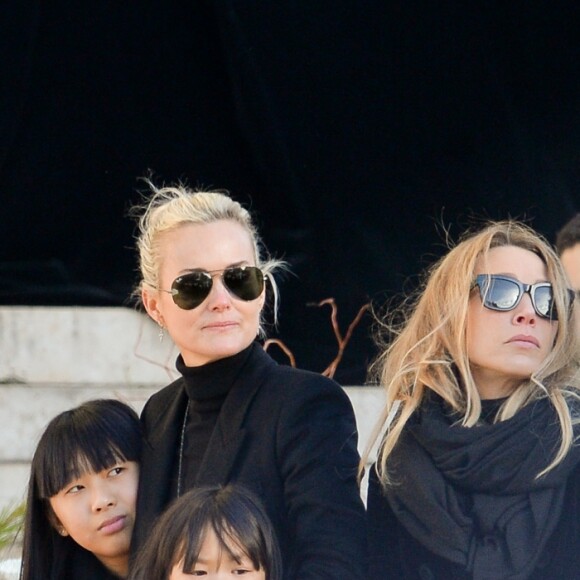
x,y
75,563
290,437
395,554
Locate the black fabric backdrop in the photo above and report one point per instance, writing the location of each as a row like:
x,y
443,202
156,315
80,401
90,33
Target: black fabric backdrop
x,y
352,129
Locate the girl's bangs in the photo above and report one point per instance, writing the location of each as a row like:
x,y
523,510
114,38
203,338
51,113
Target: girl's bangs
x,y
229,542
76,454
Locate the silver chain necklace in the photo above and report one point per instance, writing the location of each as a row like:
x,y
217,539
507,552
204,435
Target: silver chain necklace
x,y
181,445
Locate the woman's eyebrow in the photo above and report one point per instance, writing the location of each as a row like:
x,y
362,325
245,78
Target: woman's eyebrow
x,y
232,265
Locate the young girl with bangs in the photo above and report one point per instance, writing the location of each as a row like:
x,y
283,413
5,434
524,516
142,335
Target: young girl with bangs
x,y
82,494
214,532
478,471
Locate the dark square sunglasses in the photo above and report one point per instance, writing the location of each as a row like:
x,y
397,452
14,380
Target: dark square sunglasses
x,y
243,282
505,293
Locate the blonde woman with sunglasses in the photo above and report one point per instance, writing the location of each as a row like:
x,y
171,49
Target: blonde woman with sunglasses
x,y
234,415
478,471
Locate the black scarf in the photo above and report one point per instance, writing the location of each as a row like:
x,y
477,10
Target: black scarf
x,y
470,494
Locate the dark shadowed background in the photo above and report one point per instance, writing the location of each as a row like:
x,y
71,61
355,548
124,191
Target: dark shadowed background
x,y
353,130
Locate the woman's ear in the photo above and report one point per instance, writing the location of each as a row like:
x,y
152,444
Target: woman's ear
x,y
55,522
151,302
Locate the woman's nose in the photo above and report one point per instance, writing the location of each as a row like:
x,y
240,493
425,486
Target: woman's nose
x,y
103,498
525,312
219,296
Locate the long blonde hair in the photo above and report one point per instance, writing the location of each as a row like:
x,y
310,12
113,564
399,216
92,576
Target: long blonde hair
x,y
429,351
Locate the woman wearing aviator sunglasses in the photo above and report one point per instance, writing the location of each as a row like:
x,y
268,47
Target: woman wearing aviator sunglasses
x,y
235,415
478,472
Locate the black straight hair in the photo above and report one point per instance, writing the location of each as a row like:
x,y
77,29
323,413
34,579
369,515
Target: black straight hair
x,y
89,438
236,516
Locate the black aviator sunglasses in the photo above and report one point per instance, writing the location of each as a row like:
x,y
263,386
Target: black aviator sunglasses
x,y
505,293
243,282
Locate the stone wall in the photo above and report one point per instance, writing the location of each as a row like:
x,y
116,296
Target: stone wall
x,y
52,359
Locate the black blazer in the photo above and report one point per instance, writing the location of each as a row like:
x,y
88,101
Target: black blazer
x,y
290,437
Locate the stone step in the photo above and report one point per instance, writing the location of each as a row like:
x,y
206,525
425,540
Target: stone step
x,y
54,358
82,345
25,411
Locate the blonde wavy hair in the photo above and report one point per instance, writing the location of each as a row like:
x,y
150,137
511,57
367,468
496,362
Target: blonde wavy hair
x,y
429,350
170,207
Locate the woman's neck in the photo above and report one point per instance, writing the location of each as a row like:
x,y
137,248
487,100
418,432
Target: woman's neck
x,y
118,565
494,387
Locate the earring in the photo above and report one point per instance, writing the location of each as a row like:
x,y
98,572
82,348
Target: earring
x,y
62,531
161,332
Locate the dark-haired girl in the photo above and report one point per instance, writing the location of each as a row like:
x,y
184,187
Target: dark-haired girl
x,y
82,494
213,532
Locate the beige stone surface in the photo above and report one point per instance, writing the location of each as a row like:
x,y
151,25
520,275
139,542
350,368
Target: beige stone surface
x,y
52,359
82,345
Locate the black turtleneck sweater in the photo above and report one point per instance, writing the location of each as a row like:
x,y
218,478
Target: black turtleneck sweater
x,y
207,387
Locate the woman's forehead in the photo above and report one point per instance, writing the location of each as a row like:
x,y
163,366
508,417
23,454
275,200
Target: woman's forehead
x,y
512,260
206,246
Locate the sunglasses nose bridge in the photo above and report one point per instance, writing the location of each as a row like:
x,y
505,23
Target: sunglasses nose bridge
x,y
219,289
526,304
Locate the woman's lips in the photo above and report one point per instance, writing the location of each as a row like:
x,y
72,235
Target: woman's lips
x,y
525,340
220,325
113,525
